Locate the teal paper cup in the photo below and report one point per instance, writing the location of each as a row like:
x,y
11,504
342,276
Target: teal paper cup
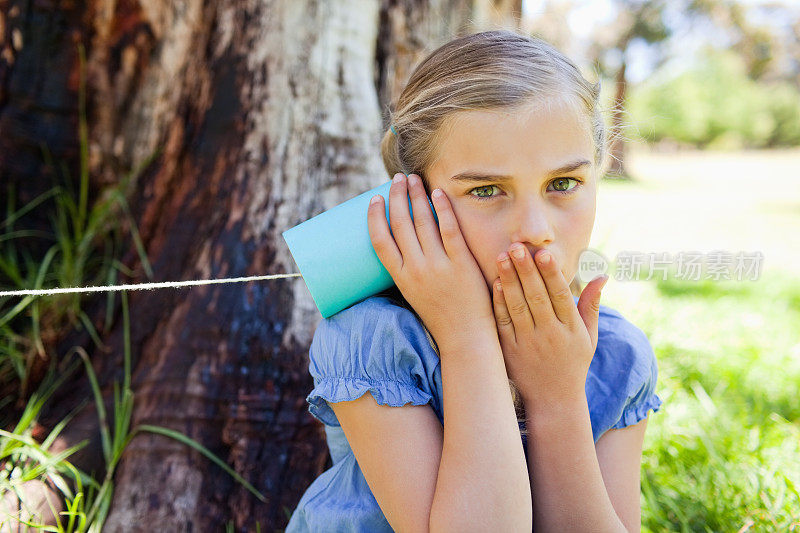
x,y
334,253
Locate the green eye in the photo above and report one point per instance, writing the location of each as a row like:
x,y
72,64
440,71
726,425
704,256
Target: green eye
x,y
485,188
564,182
559,185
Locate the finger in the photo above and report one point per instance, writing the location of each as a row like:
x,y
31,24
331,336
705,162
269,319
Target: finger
x,y
505,326
425,225
450,231
382,240
532,285
557,288
514,296
589,305
400,220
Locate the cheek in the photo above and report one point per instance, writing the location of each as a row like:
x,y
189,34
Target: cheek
x,y
585,219
581,224
483,240
577,239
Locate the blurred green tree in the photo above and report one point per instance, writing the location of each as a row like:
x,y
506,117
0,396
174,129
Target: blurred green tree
x,y
715,104
636,20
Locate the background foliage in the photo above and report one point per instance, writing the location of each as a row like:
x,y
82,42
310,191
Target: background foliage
x,y
714,104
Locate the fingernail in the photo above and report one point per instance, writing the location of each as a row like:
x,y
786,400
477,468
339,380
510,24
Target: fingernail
x,y
544,258
499,286
518,252
437,193
398,177
374,200
605,280
412,180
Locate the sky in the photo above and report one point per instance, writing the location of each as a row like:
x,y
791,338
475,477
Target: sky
x,y
641,61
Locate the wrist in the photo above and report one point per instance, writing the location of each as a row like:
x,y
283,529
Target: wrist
x,y
545,410
467,338
460,345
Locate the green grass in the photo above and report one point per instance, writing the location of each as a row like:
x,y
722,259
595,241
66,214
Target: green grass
x,y
723,454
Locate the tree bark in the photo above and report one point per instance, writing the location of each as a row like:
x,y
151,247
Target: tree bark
x,y
262,114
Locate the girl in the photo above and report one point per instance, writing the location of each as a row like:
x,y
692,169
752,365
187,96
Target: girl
x,y
479,393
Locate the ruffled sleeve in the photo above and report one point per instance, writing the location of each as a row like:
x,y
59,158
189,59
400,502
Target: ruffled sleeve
x,y
621,383
644,375
373,346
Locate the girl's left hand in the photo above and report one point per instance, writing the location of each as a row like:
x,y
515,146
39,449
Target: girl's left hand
x,y
548,342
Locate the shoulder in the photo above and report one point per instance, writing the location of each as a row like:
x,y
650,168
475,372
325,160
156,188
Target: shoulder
x,y
374,319
371,309
621,381
373,345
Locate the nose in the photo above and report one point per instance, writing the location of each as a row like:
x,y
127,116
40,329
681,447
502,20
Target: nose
x,y
532,225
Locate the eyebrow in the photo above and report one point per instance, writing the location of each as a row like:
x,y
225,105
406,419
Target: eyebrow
x,y
472,175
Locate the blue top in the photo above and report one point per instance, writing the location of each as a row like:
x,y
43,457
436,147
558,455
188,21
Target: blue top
x,y
378,346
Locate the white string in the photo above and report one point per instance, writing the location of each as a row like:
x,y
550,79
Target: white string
x,y
139,286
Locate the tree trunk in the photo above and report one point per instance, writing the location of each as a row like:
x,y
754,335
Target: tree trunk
x,y
262,115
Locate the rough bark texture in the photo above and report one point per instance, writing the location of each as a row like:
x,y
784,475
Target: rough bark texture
x,y
38,95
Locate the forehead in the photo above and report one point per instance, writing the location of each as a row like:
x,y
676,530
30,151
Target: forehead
x,y
533,137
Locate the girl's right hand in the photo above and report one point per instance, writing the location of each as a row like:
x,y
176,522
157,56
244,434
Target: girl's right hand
x,y
433,267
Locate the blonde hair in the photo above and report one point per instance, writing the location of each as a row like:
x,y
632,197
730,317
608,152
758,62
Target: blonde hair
x,y
490,70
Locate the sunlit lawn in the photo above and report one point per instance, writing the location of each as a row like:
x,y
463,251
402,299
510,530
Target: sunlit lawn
x,y
723,454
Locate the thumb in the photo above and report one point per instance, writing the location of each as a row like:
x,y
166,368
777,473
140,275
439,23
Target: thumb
x,y
589,305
